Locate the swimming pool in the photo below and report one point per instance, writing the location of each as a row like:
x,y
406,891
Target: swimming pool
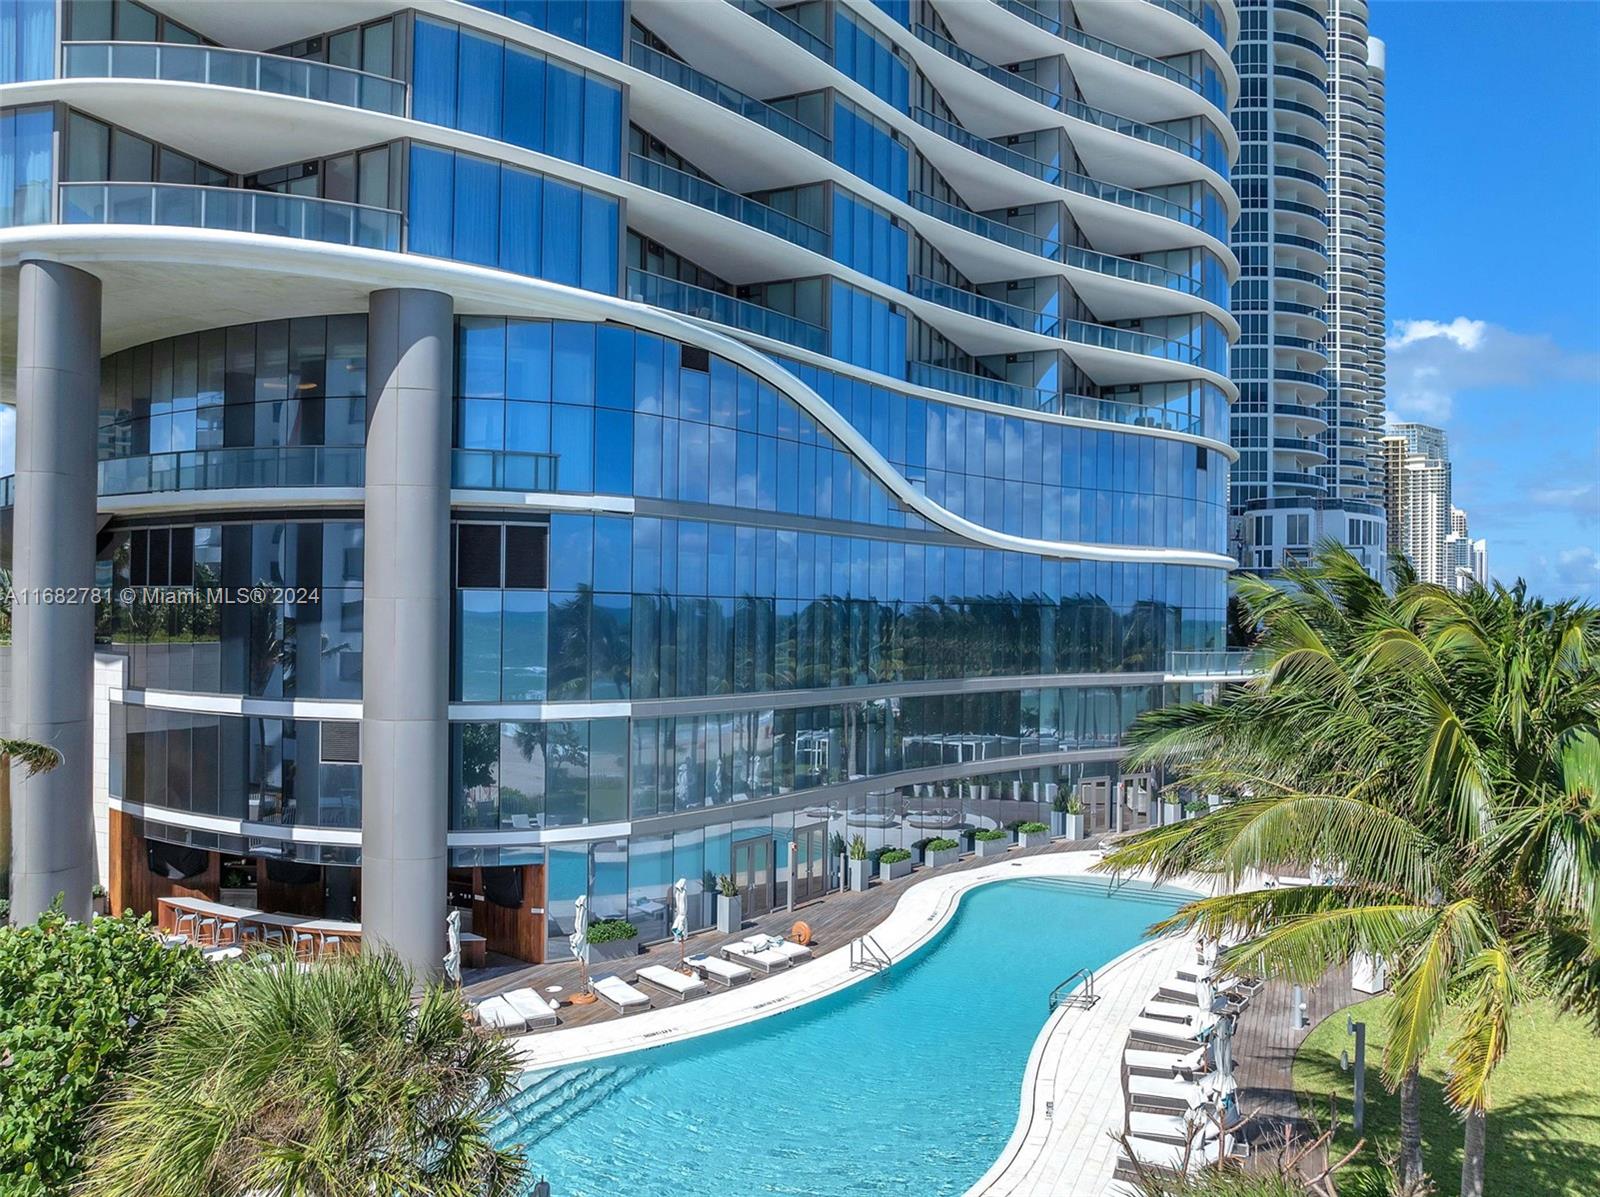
x,y
907,1083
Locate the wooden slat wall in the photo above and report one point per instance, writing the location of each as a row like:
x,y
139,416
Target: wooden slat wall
x,y
281,898
132,886
518,933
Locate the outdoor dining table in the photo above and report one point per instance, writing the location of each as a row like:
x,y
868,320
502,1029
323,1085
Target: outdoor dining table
x,y
170,909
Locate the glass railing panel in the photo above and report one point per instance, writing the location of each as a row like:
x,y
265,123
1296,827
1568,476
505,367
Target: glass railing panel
x,y
1048,399
703,193
479,469
1088,41
234,469
787,27
272,213
235,68
984,308
680,74
8,491
983,226
704,304
1217,663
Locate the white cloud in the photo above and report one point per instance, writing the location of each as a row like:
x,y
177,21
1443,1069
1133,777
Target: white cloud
x,y
1431,362
1577,567
8,439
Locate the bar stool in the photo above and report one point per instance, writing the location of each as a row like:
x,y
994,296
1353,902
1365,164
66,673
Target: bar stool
x,y
270,934
204,922
185,916
309,939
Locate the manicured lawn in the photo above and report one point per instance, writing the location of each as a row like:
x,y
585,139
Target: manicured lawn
x,y
1544,1125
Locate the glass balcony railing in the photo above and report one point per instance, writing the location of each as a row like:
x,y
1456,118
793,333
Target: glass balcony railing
x,y
983,226
234,68
786,26
680,74
481,469
1048,399
1054,100
233,469
704,304
1228,662
1047,172
8,491
1122,54
268,212
703,193
993,310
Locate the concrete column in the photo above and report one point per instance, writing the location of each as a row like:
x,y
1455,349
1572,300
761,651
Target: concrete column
x,y
52,655
406,663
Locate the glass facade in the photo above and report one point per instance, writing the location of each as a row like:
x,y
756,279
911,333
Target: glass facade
x,y
907,559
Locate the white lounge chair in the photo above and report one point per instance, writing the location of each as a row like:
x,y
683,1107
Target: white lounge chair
x,y
1178,1011
1186,1036
795,952
1198,1124
619,995
1179,1090
674,983
531,1008
1154,1153
723,972
499,1015
214,955
1167,1063
766,959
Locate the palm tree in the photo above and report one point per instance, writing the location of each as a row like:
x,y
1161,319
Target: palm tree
x,y
31,757
1410,746
309,1083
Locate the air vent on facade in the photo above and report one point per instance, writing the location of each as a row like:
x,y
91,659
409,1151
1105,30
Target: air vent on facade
x,y
696,358
341,742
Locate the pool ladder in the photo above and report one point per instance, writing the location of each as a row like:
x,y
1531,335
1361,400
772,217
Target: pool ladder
x,y
865,954
1085,998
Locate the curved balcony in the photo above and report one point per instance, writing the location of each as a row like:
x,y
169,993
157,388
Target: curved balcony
x,y
275,73
1300,481
1111,50
1069,255
704,304
703,193
1055,101
787,27
1201,15
1300,446
235,469
1304,377
270,213
680,74
1049,173
1048,399
1102,336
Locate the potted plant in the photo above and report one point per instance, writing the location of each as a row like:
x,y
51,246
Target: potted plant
x,y
1066,817
1171,810
1195,807
101,903
991,841
730,912
612,939
919,849
941,851
860,865
895,862
1033,835
1014,828
836,851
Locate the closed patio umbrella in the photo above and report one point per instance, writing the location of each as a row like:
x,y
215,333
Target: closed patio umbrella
x,y
680,916
452,956
579,939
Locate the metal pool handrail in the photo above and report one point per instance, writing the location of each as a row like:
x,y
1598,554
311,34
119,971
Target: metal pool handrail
x,y
1082,1000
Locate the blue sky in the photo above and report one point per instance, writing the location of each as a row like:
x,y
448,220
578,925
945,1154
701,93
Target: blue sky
x,y
1494,267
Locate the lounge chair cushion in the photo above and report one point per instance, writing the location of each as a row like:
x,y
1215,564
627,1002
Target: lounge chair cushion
x,y
722,970
671,980
499,1015
620,994
531,1008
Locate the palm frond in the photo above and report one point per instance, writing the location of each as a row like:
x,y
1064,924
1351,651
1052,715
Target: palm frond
x,y
33,758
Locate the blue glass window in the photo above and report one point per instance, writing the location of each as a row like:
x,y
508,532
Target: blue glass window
x,y
25,166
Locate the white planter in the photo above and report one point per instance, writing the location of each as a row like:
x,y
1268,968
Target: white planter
x,y
889,870
730,914
614,949
991,847
1171,812
1033,839
860,875
1368,974
943,856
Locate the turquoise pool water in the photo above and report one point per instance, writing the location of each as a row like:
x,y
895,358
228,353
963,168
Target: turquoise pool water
x,y
907,1083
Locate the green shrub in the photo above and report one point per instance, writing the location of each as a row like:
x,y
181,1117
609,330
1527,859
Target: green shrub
x,y
858,848
1015,825
76,1000
893,856
1060,803
612,930
1032,828
922,844
988,835
942,844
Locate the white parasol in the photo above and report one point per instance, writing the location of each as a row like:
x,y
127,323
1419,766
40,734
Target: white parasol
x,y
452,956
579,939
680,915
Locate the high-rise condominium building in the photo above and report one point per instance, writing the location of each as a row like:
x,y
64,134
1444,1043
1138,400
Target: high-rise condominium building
x,y
1425,525
1310,241
548,451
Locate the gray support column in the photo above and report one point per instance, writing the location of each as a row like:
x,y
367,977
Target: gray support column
x,y
405,668
52,655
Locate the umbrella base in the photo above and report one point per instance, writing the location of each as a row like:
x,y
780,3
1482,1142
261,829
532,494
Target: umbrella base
x,y
582,999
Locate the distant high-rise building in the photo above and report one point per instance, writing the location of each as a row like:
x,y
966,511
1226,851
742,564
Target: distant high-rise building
x,y
1310,298
1424,524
